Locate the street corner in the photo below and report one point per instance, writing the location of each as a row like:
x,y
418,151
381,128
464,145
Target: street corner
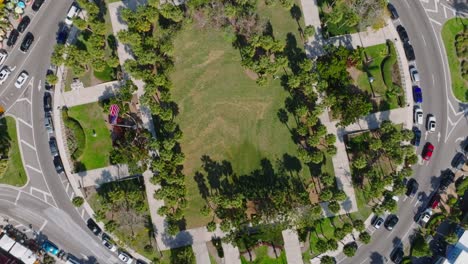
x,y
439,11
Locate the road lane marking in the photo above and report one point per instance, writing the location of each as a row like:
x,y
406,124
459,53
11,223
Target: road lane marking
x,y
17,198
68,185
43,225
39,86
82,213
433,79
435,21
424,40
24,99
24,122
438,137
29,145
34,169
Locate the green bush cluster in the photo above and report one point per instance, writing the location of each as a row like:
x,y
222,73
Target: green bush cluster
x,y
76,139
461,48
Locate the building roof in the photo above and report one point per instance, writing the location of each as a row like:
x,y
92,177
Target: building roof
x,y
6,243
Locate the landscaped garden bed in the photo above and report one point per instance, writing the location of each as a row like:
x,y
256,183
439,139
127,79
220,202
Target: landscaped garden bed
x,y
11,165
455,36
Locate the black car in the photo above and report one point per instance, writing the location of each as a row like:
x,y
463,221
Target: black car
x,y
93,227
47,102
139,261
27,41
23,24
417,136
409,52
12,38
53,146
397,255
413,186
448,178
391,222
402,33
393,13
37,4
58,164
458,161
63,35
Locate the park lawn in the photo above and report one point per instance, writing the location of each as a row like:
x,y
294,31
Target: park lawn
x,y
450,29
169,256
14,174
378,54
262,257
97,149
364,210
223,113
85,79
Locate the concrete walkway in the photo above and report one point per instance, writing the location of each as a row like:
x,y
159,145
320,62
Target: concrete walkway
x,y
231,254
201,252
99,176
90,94
292,247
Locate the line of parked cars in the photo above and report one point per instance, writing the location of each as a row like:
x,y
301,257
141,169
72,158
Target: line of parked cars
x,y
52,249
108,243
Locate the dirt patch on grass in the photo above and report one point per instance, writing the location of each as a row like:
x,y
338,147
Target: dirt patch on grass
x,y
354,73
212,56
251,74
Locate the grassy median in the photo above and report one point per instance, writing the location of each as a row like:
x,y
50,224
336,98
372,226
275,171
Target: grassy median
x,y
11,167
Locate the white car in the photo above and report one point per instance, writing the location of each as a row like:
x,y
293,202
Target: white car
x,y
109,245
4,73
378,222
3,56
418,116
125,258
72,12
414,73
424,217
22,78
431,123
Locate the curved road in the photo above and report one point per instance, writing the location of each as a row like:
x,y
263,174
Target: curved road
x,y
424,29
44,203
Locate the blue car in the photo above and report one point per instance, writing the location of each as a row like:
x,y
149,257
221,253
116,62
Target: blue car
x,y
417,94
417,136
50,248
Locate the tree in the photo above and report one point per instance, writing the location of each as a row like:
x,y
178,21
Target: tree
x,y
350,249
309,31
451,238
339,233
332,244
360,162
211,226
321,246
339,195
327,179
51,79
326,195
327,260
171,12
365,237
316,157
110,226
359,225
334,207
420,248
347,228
48,259
77,201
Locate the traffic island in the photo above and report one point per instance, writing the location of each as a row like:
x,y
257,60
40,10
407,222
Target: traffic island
x,y
11,166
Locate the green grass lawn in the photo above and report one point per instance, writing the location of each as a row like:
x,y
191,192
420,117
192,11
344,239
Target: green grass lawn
x,y
377,53
96,152
14,174
223,113
262,257
170,256
450,29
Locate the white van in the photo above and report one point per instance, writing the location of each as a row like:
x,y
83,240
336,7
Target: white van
x,y
72,12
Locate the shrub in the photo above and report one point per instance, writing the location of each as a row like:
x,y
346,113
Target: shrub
x,y
77,201
365,237
327,260
350,249
76,139
419,247
211,226
51,79
387,65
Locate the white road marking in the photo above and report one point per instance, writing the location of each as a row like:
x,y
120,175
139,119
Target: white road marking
x,y
390,233
43,225
39,86
424,40
459,139
404,199
82,213
29,145
433,79
425,135
34,169
435,21
17,198
66,189
436,8
24,99
18,226
438,137
24,122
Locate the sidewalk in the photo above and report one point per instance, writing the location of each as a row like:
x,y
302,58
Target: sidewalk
x,y
90,94
292,247
99,176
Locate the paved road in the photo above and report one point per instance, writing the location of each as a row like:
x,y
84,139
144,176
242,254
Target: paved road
x,y
45,201
424,31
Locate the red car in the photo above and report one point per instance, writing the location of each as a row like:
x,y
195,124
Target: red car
x,y
427,152
435,201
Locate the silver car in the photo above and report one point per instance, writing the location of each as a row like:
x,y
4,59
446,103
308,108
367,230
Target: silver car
x,y
4,73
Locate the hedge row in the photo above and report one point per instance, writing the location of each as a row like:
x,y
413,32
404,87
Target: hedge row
x,y
78,135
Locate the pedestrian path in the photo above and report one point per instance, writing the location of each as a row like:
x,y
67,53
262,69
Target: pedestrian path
x,y
292,247
90,94
231,254
99,176
201,252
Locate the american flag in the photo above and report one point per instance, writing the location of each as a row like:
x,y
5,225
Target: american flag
x,y
114,113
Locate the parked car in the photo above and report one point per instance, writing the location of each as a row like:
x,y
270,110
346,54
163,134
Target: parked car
x,y
409,51
434,203
21,80
50,247
3,56
58,164
397,255
412,186
125,257
391,222
417,94
393,11
458,161
93,227
48,123
72,259
48,86
418,115
414,73
4,73
53,146
12,38
63,35
428,151
27,42
417,136
378,222
448,177
72,12
431,123
23,24
402,33
424,217
47,102
139,261
106,241
37,4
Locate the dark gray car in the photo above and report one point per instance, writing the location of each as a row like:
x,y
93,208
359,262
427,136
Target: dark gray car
x,y
53,146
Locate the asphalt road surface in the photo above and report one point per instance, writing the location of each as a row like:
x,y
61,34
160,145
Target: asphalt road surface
x,y
44,203
424,29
